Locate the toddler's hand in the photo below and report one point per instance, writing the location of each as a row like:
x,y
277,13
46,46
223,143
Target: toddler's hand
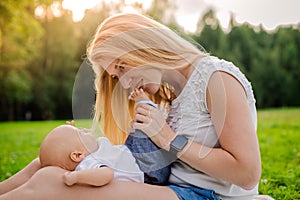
x,y
70,178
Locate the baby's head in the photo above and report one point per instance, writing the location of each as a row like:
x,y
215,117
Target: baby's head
x,y
65,146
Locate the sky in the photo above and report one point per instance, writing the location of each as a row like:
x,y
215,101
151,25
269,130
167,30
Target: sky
x,y
268,13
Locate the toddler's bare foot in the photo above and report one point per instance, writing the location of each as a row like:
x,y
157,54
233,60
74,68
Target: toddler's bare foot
x,y
138,95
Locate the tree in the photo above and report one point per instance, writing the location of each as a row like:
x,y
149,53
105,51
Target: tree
x,y
210,35
269,60
55,70
20,33
17,90
19,30
86,28
163,11
286,46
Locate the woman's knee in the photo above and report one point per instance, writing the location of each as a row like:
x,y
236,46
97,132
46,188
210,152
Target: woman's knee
x,y
36,162
40,186
46,176
34,166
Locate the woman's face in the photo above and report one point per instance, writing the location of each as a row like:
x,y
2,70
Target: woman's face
x,y
149,79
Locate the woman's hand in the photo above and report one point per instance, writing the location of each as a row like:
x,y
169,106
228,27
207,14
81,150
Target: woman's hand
x,y
151,121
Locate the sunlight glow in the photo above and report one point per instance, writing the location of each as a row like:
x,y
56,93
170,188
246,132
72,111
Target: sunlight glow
x,y
54,10
145,3
129,9
55,7
268,13
224,18
188,22
78,7
40,12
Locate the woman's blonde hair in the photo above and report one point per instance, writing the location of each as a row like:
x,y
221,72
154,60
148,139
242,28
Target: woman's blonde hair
x,y
140,42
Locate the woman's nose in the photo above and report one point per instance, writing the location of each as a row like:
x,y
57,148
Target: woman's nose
x,y
125,82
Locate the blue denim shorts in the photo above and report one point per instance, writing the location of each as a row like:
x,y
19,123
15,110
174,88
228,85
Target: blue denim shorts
x,y
153,161
194,193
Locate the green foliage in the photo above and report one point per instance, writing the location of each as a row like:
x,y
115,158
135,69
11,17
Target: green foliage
x,y
157,9
20,33
17,85
87,27
55,70
278,133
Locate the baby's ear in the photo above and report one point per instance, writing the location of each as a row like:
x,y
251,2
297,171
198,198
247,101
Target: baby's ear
x,y
77,156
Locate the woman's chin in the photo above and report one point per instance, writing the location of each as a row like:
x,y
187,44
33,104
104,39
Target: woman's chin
x,y
151,88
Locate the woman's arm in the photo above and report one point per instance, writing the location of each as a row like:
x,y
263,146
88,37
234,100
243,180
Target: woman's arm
x,y
238,159
47,184
95,177
21,177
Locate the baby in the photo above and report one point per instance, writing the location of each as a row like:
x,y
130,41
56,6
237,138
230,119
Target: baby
x,y
96,161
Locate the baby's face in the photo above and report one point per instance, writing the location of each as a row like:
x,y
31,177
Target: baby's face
x,y
87,140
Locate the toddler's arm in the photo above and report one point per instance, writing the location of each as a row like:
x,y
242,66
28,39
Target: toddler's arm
x,y
95,177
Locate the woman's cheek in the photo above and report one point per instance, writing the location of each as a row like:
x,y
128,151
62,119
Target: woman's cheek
x,y
151,88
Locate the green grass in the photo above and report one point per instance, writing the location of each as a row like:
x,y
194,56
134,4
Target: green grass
x,y
279,136
20,143
278,132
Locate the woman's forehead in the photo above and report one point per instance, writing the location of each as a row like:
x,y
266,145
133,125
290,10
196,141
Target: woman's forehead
x,y
107,62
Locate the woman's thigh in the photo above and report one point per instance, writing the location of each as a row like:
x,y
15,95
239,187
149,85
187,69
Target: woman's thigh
x,y
47,184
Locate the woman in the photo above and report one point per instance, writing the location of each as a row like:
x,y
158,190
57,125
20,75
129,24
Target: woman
x,y
207,116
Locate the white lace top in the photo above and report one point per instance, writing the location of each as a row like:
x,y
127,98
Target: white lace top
x,y
189,116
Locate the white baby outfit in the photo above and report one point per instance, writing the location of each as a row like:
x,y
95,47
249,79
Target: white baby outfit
x,y
116,157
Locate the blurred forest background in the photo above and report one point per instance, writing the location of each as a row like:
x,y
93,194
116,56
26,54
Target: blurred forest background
x,y
41,52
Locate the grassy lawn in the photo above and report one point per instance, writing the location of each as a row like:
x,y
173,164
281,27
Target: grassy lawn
x,y
279,136
278,131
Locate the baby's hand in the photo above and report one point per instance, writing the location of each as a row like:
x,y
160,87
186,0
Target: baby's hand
x,y
70,178
72,123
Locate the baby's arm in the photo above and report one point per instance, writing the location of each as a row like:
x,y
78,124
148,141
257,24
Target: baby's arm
x,y
95,177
